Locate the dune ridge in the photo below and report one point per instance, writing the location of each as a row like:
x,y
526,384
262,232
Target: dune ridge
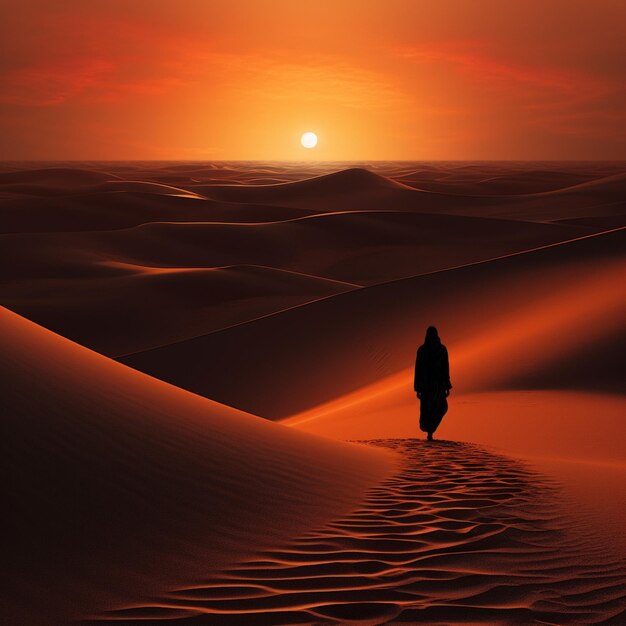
x,y
110,314
358,188
76,284
61,177
377,186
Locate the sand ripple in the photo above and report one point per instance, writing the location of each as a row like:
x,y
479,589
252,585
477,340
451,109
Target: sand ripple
x,y
459,535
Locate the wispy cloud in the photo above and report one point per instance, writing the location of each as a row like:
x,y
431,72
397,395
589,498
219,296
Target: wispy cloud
x,y
263,74
102,62
49,83
476,60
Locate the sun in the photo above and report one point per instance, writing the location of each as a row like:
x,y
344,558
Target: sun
x,y
309,140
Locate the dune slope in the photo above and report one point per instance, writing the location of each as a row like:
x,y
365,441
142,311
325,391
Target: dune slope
x,y
135,307
133,289
119,486
347,189
359,189
567,298
363,247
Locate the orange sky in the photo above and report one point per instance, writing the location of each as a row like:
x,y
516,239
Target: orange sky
x,y
375,79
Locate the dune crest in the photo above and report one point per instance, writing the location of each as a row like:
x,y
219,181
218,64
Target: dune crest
x,y
51,177
344,181
139,186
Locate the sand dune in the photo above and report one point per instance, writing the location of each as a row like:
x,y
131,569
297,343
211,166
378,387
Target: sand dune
x,y
111,472
571,435
563,298
65,198
360,247
105,289
603,197
102,209
135,501
95,211
51,177
135,307
360,189
605,185
455,173
141,186
493,178
459,535
348,189
498,183
344,181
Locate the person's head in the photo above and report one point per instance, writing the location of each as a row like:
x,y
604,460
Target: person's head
x,y
432,336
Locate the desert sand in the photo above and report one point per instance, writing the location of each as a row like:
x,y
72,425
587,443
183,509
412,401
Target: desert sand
x,y
209,412
121,484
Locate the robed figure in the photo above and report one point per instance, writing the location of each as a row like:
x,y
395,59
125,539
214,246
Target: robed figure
x,y
432,381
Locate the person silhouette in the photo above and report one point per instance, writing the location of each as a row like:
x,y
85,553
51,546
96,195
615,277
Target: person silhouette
x,y
432,381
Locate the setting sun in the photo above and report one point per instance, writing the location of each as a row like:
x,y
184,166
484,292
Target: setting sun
x,y
309,140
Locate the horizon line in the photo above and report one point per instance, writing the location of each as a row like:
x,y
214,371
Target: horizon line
x,y
310,162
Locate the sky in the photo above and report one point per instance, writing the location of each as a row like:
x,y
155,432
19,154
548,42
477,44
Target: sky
x,y
374,79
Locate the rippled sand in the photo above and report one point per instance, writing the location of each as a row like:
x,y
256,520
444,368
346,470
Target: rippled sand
x,y
458,535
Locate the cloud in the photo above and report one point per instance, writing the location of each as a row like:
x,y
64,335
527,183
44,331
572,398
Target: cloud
x,y
471,58
114,59
49,84
97,61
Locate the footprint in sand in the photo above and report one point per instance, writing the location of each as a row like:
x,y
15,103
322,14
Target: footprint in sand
x,y
459,535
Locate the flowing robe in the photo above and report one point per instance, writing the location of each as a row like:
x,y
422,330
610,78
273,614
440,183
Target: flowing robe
x,y
432,381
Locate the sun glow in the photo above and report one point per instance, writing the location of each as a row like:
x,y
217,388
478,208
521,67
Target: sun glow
x,y
309,140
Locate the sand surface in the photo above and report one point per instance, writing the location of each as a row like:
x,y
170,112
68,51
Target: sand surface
x,y
560,309
299,293
83,240
120,485
459,535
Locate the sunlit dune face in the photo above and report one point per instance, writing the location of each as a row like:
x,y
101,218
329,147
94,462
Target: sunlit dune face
x,y
309,140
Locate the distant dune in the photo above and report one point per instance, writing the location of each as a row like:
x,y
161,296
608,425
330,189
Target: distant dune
x,y
550,295
362,247
496,182
358,189
96,286
51,177
350,189
132,307
99,209
595,199
345,181
159,189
